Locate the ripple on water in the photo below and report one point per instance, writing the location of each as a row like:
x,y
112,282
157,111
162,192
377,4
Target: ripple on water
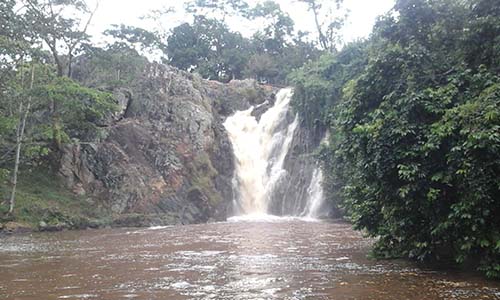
x,y
275,259
181,285
79,296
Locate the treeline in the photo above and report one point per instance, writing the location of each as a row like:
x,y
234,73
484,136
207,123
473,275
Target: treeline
x,y
208,46
414,118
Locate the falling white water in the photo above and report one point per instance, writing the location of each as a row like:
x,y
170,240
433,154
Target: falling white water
x,y
315,190
260,148
315,195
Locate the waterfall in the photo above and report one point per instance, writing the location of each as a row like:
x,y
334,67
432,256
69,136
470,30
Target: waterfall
x,y
315,195
315,190
260,148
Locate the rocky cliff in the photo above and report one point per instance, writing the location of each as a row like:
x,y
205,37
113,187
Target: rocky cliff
x,y
165,157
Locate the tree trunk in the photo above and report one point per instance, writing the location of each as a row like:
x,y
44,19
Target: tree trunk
x,y
321,37
70,65
19,140
57,59
16,160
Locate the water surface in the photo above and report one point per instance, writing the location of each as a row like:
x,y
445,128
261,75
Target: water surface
x,y
248,259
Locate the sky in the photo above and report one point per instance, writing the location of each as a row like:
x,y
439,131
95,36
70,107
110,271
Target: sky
x,y
362,15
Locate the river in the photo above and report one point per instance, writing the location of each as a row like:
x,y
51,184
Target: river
x,y
271,258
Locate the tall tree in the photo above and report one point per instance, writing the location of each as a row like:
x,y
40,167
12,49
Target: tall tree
x,y
52,22
24,110
209,48
279,27
328,18
136,38
16,41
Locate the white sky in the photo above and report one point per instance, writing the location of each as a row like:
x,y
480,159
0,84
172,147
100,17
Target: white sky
x,y
362,15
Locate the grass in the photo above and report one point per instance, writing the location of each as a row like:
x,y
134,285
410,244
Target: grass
x,y
202,174
41,196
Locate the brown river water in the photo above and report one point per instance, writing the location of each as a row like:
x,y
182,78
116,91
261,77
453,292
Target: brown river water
x,y
272,259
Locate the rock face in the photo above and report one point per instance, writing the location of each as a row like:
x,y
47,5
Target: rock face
x,y
290,198
166,153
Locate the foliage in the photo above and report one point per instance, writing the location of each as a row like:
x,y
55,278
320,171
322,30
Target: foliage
x,y
328,18
209,48
320,82
414,119
135,37
48,22
40,106
79,109
41,197
278,28
108,68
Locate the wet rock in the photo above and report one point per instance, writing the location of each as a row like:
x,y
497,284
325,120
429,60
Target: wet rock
x,y
59,226
15,227
300,162
259,110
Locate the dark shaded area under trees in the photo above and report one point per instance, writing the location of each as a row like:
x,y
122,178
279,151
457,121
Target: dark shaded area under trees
x,y
414,118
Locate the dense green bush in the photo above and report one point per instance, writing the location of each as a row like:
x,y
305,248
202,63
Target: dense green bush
x,y
414,157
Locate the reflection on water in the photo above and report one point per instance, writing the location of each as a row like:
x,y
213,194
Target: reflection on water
x,y
241,259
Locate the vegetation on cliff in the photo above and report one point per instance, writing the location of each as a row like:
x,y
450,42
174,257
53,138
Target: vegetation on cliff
x,y
41,106
413,113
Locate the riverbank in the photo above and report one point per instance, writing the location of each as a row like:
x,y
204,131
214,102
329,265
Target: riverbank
x,y
43,203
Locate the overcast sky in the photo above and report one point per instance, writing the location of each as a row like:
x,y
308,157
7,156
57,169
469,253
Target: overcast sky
x,y
362,15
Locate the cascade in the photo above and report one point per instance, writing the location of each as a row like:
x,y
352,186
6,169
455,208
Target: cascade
x,y
315,199
315,195
260,148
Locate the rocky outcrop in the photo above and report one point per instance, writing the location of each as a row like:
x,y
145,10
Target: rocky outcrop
x,y
290,197
166,152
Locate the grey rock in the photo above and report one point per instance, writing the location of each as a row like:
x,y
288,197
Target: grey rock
x,y
166,157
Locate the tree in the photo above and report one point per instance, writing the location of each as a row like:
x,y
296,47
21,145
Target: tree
x,y
15,41
24,110
48,20
207,47
40,106
136,38
328,19
114,66
15,48
414,149
278,30
262,67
